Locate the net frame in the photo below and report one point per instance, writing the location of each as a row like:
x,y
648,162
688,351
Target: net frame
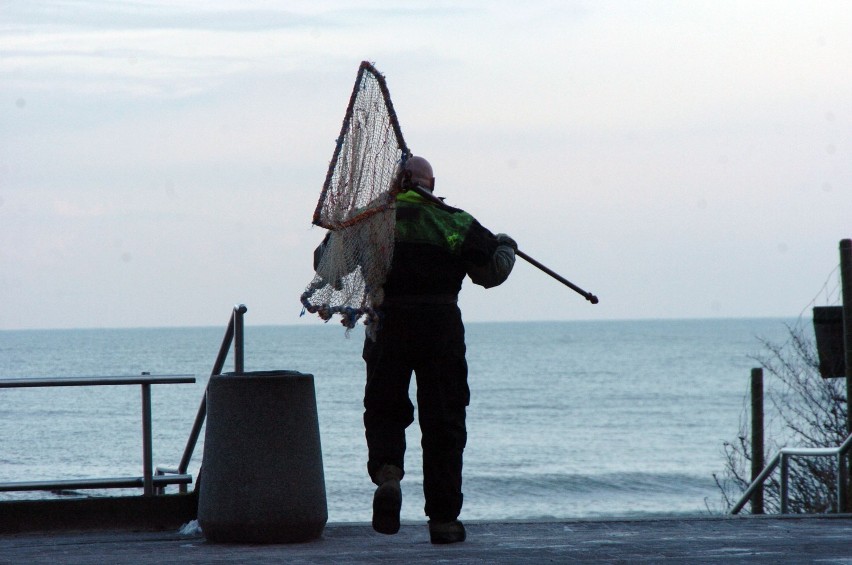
x,y
366,71
357,205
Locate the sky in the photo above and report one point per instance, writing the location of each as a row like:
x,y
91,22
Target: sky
x,y
160,161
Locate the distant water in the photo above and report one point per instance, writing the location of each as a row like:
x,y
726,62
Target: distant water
x,y
567,419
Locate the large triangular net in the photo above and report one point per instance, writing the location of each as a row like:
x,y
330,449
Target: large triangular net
x,y
357,205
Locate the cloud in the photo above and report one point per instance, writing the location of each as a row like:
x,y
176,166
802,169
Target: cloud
x,y
128,15
67,209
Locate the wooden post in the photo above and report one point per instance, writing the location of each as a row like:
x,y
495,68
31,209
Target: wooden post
x,y
846,294
846,289
757,462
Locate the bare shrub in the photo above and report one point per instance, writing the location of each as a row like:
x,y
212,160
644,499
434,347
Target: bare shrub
x,y
806,411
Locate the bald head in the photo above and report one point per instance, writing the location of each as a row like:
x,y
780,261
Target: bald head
x,y
419,171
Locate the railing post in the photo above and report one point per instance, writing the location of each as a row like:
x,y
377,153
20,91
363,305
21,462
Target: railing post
x,y
239,310
757,460
785,478
841,482
846,293
147,449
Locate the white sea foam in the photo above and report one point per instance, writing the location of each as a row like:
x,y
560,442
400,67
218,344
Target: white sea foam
x,y
191,528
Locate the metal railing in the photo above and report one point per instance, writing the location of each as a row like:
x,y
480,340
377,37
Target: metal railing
x,y
147,481
233,334
153,481
782,459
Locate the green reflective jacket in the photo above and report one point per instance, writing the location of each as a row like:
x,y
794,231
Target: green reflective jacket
x,y
436,247
418,221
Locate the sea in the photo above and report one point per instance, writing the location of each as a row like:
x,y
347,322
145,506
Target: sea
x,y
574,419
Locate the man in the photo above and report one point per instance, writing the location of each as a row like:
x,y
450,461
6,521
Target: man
x,y
420,330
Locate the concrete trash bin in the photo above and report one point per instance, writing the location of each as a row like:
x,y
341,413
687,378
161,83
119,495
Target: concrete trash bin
x,y
261,477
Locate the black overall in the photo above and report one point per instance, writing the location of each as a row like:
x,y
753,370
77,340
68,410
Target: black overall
x,y
421,331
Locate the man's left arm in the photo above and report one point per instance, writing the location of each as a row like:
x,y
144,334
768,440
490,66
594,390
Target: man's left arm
x,y
493,263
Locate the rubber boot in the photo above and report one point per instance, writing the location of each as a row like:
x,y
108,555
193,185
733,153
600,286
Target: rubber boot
x,y
387,501
446,532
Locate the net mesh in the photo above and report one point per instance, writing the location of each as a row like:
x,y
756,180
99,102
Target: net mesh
x,y
357,205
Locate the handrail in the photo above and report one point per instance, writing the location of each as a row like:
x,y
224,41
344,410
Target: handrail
x,y
143,379
97,483
756,483
783,459
233,334
147,481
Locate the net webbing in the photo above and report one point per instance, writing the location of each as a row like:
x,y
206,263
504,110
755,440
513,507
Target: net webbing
x,y
357,205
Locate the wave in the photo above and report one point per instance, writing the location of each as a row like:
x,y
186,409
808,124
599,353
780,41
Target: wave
x,y
594,495
597,483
